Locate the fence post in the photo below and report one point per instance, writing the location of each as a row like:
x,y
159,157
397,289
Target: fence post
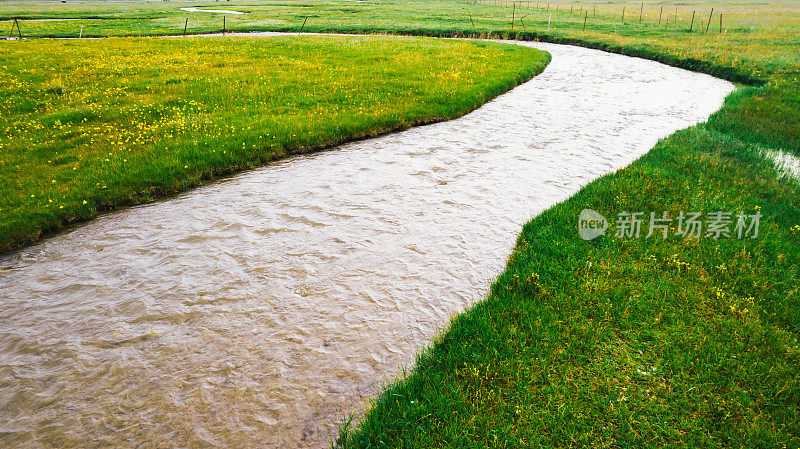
x,y
623,14
708,25
659,15
584,20
185,25
720,22
691,27
641,11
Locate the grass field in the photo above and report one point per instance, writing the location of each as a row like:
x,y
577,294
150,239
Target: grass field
x,y
757,38
613,343
92,125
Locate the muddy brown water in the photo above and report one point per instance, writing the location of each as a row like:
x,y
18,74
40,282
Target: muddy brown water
x,y
256,311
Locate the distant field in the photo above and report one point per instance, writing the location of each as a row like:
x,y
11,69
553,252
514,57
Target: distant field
x,y
91,125
750,30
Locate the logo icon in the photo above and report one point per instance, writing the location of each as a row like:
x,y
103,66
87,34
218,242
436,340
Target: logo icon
x,y
591,224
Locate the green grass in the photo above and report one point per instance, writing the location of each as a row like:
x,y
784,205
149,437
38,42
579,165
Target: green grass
x,y
92,125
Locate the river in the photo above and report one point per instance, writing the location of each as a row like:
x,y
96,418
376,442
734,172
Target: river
x,y
258,310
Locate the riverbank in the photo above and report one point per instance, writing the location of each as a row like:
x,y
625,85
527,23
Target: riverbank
x,y
91,126
641,341
624,342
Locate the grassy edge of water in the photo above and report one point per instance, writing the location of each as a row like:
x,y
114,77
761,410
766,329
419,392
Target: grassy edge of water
x,y
13,242
623,343
488,380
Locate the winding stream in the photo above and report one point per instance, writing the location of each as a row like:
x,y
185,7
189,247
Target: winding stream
x,y
256,311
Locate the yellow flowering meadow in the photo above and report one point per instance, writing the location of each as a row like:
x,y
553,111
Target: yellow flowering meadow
x,y
94,124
